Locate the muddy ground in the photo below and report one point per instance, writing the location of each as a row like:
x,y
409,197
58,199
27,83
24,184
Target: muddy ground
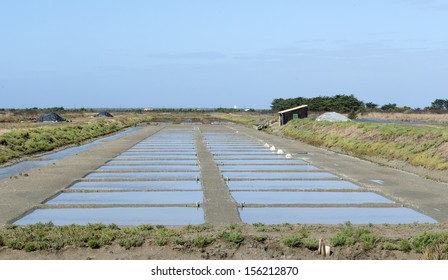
x,y
250,248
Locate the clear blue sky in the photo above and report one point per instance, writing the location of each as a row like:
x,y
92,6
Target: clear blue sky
x,y
220,53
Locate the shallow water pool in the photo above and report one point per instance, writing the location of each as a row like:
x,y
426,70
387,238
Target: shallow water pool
x,y
160,152
267,168
334,215
243,156
276,161
143,175
291,184
137,185
251,153
285,197
123,216
153,162
155,197
158,168
278,175
149,156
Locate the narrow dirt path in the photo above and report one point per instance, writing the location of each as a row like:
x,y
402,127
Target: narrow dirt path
x,y
219,206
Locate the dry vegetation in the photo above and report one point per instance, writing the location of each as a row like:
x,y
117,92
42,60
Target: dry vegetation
x,y
406,117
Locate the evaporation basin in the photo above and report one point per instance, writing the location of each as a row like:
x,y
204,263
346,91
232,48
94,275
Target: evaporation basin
x,y
123,216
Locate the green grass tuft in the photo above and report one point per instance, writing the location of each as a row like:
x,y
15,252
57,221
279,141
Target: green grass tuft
x,y
202,241
93,243
350,236
429,241
30,247
405,246
232,236
16,245
146,227
194,228
179,241
130,242
260,238
161,241
295,240
311,244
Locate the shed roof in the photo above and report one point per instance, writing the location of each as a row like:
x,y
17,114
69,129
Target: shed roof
x,y
292,109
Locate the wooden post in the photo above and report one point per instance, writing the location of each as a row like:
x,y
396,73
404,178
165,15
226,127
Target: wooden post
x,y
327,252
319,250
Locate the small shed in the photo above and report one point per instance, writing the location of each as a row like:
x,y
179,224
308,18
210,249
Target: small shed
x,y
50,117
104,114
299,112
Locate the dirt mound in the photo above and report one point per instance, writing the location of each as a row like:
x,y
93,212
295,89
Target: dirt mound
x,y
50,117
104,115
332,117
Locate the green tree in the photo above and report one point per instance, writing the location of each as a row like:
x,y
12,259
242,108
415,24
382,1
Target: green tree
x,y
371,105
439,104
389,107
338,103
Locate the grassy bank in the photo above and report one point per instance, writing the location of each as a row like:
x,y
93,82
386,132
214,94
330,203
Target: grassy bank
x,y
21,142
405,117
247,119
418,145
348,241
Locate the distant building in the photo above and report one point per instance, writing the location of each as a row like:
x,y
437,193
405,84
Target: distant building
x,y
299,112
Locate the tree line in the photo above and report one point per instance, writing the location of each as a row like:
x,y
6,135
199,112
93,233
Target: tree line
x,y
338,103
439,104
346,104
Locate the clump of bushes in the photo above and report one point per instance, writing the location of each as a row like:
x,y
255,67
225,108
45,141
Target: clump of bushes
x,y
433,244
130,242
350,236
260,237
301,239
46,236
196,228
234,236
202,241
